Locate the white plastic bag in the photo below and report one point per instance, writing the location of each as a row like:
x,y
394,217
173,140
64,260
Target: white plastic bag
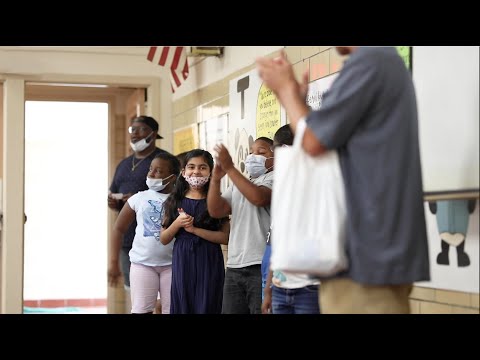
x,y
308,211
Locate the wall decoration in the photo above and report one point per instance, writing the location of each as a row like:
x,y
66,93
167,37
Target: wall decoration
x,y
453,240
185,139
254,112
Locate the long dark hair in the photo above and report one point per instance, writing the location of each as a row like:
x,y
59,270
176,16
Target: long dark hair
x,y
174,201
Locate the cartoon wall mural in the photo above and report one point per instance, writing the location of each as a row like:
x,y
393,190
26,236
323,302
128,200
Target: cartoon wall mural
x,y
243,143
453,245
254,112
452,222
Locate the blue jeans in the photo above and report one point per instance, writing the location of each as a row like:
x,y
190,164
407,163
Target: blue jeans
x,y
295,301
266,266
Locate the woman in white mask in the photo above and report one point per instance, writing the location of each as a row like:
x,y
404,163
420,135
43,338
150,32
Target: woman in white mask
x,y
248,201
151,261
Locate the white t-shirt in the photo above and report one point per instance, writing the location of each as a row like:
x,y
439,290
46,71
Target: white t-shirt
x,y
286,280
147,248
249,226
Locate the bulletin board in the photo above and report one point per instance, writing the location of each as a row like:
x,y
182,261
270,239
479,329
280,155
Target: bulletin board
x,y
317,89
185,139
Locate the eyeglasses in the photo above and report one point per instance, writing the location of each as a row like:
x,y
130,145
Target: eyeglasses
x,y
140,129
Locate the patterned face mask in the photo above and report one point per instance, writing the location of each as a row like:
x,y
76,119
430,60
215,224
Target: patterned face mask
x,y
196,181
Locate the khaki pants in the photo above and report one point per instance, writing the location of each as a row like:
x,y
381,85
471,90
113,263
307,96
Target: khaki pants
x,y
344,296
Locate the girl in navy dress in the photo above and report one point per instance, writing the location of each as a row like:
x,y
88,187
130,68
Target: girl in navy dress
x,y
198,269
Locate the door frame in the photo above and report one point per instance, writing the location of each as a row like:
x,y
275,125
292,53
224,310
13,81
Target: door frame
x,y
12,204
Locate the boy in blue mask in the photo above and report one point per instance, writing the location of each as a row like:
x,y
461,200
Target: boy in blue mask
x,y
248,201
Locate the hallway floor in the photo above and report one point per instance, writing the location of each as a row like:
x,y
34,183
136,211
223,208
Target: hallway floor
x,y
66,310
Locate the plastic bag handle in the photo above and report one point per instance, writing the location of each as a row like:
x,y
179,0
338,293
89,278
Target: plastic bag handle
x,y
299,132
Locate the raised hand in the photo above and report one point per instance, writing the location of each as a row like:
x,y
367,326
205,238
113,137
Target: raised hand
x,y
217,173
304,86
223,157
277,73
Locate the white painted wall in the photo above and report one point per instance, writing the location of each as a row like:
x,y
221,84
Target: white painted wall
x,y
124,61
447,85
83,61
127,62
100,63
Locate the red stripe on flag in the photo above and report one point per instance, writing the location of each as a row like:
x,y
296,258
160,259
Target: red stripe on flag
x,y
151,53
185,70
176,57
175,78
163,57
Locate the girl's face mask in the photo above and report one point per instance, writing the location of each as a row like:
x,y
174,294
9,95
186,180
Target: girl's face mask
x,y
196,181
157,184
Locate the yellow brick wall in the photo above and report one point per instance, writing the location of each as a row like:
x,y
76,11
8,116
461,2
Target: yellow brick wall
x,y
436,301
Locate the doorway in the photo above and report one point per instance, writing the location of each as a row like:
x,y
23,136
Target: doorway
x,y
116,92
66,176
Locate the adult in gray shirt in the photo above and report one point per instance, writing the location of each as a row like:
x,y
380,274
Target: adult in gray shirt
x,y
370,116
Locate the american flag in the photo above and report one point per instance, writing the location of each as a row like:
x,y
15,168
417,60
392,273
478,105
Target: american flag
x,y
173,57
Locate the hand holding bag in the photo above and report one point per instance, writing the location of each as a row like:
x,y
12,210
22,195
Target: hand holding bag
x,y
308,211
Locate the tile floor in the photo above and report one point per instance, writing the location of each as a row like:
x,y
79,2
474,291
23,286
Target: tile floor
x,y
65,306
92,310
66,310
